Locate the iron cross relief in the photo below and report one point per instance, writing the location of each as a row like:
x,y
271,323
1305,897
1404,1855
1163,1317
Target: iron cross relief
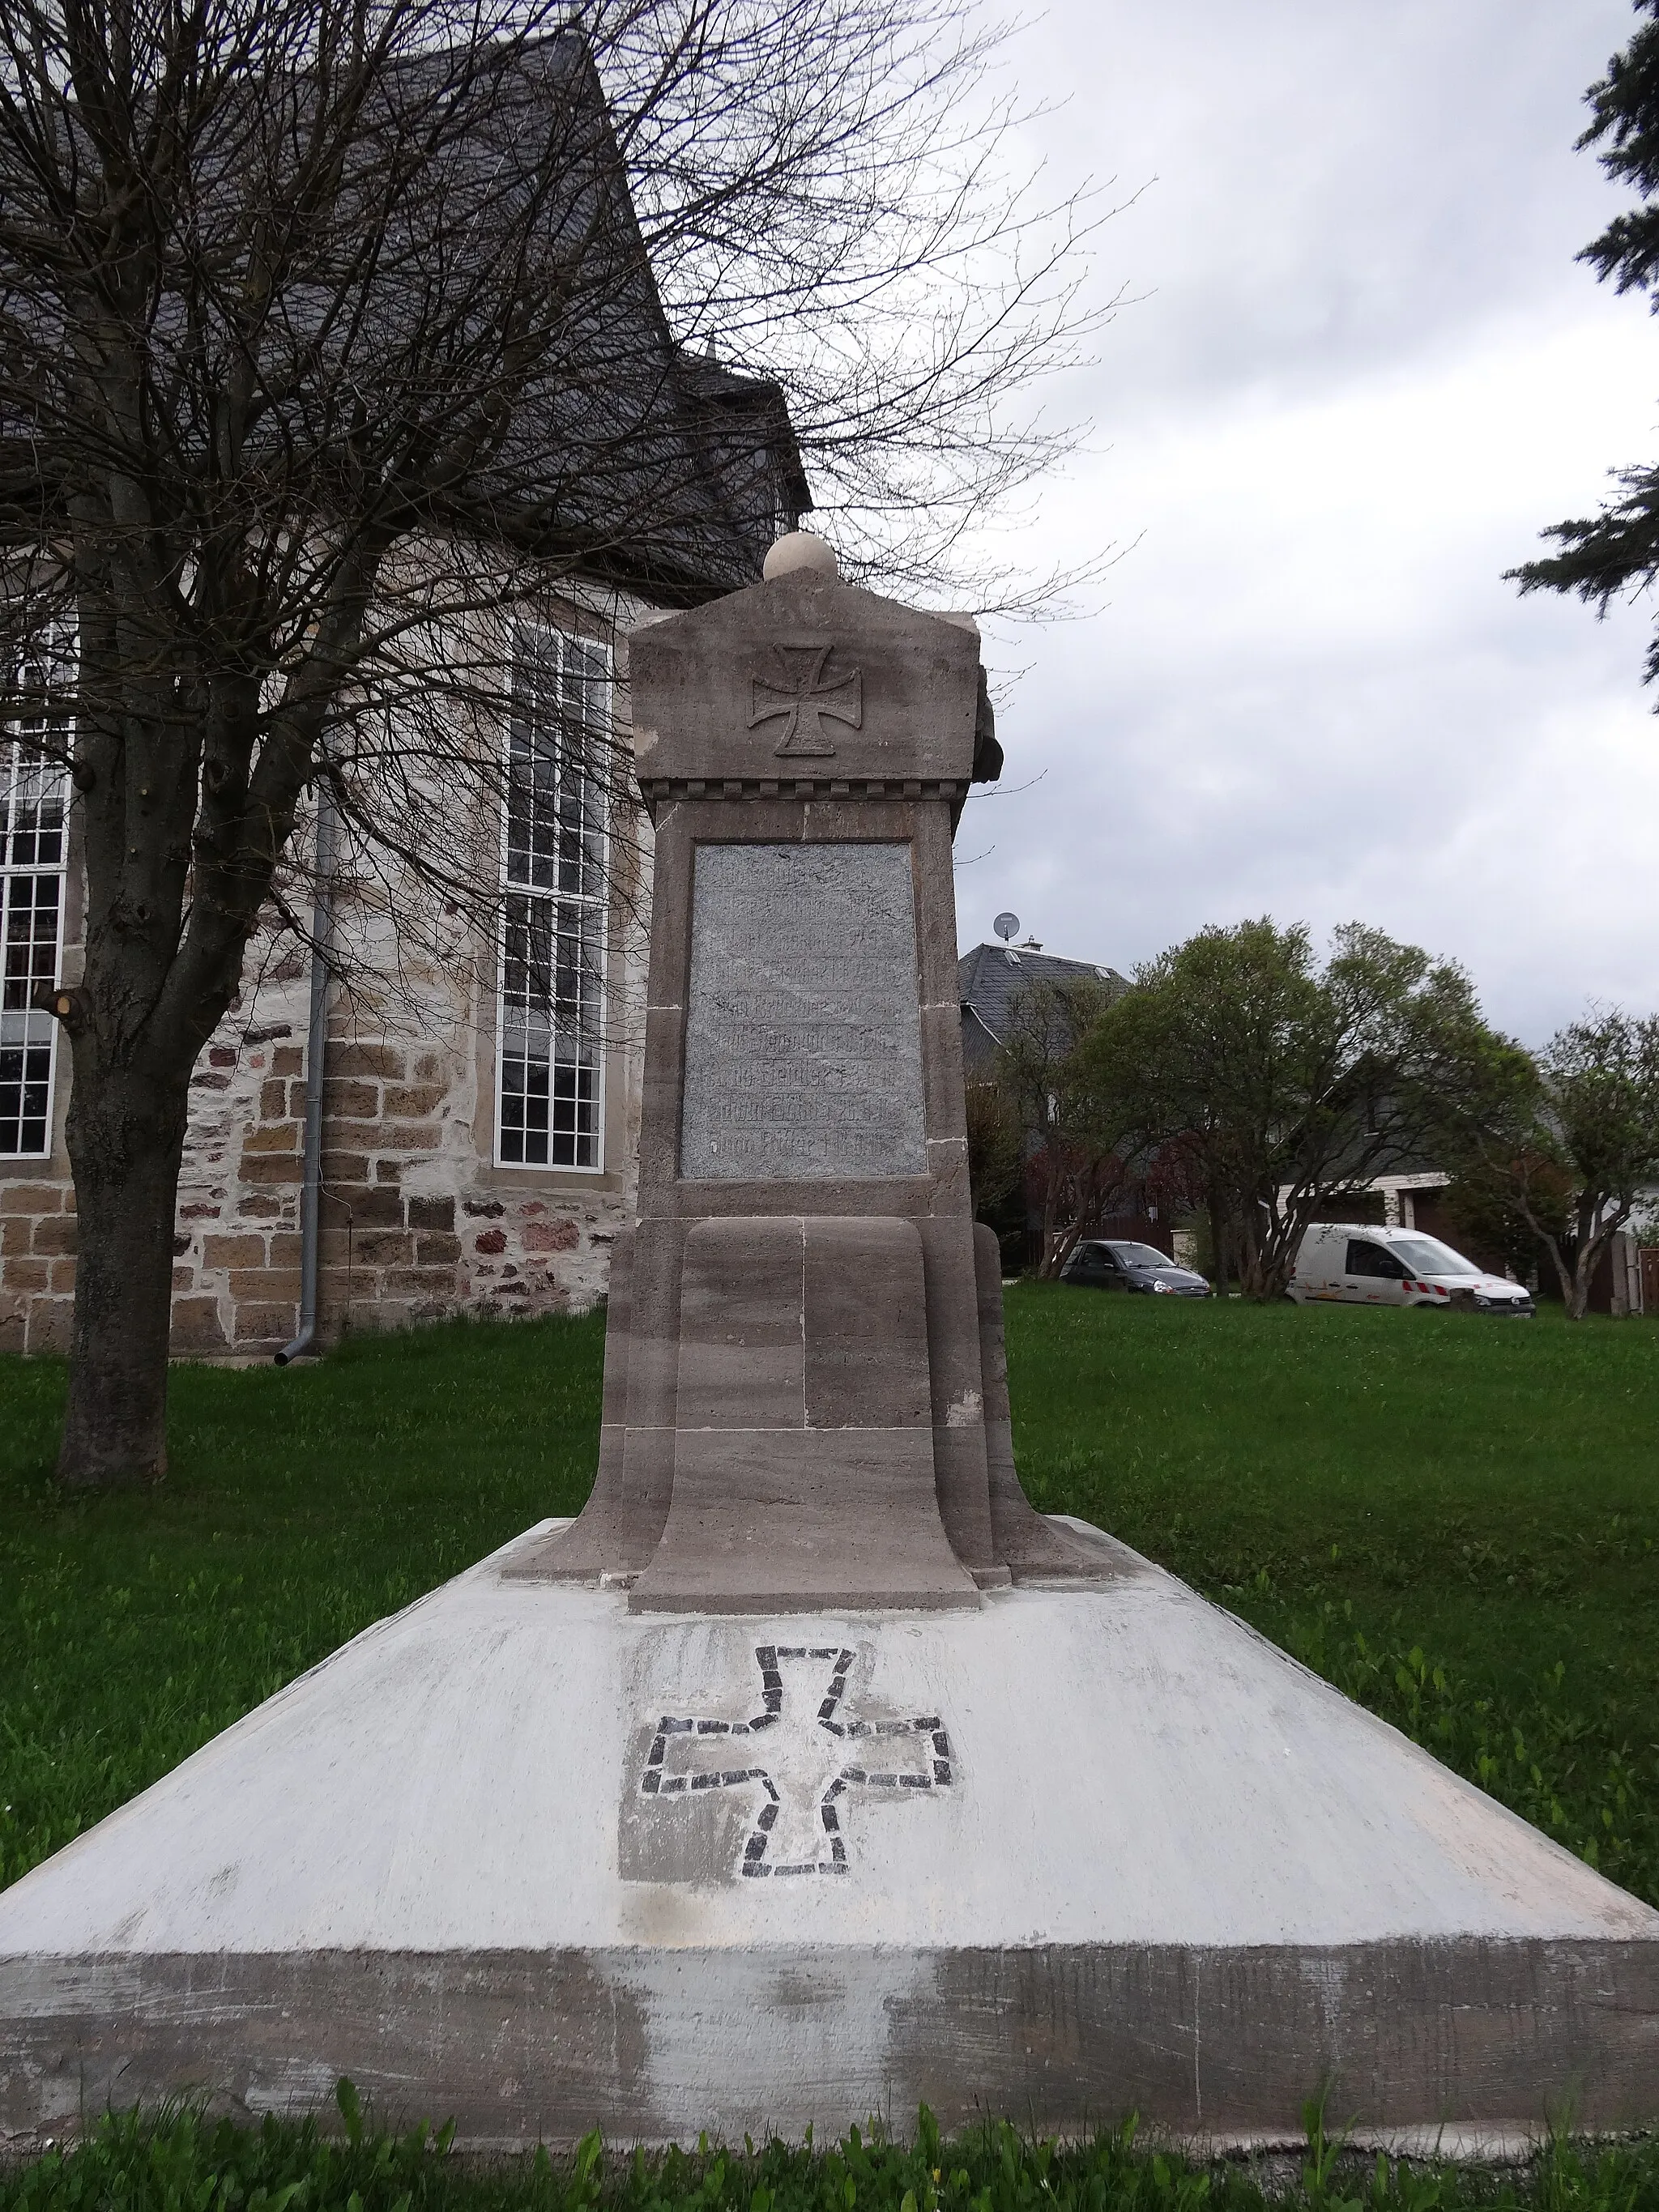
x,y
798,688
804,1758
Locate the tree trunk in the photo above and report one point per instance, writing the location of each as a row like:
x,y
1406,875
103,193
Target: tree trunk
x,y
1255,1274
1585,1261
1218,1245
126,1136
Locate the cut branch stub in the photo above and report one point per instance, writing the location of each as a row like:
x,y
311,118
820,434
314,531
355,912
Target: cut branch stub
x,y
65,1005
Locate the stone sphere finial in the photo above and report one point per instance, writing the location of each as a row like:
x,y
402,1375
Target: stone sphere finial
x,y
800,549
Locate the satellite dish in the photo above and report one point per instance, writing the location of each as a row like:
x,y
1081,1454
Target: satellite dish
x,y
1005,925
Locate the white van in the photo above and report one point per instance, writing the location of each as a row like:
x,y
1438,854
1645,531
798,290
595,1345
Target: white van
x,y
1359,1265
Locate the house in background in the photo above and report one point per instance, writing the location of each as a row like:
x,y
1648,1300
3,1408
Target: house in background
x,y
991,980
480,1119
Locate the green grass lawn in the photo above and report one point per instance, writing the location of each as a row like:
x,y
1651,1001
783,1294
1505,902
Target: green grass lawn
x,y
300,1505
181,2161
1453,1518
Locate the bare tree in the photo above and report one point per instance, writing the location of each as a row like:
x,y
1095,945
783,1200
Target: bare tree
x,y
334,333
1072,1175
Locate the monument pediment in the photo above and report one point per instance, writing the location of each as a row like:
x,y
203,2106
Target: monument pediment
x,y
805,676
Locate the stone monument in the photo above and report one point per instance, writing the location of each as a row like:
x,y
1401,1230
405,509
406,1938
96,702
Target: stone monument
x,y
810,1772
805,1393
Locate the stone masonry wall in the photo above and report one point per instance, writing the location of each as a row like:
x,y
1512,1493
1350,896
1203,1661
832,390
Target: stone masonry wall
x,y
417,1220
37,1262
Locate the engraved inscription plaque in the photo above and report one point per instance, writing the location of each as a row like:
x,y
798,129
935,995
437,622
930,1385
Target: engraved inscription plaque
x,y
803,1040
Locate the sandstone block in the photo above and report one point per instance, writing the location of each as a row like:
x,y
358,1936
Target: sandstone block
x,y
266,1324
273,1101
414,1101
384,1061
432,1214
288,1059
63,1275
197,1326
354,1133
383,1247
550,1235
50,1322
369,1206
272,1168
437,1251
19,1274
432,1280
278,1137
246,1251
412,1136
254,1283
31,1197
55,1234
351,1101
381,1316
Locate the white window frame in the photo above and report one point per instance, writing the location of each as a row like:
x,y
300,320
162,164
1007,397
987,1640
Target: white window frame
x,y
557,650
32,1029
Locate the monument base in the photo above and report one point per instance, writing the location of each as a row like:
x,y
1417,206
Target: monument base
x,y
523,1857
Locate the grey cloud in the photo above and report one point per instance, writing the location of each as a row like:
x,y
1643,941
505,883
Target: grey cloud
x,y
1370,372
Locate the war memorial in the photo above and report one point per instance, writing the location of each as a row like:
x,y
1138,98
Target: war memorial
x,y
810,1772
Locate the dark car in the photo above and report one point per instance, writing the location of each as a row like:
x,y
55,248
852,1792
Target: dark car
x,y
1119,1266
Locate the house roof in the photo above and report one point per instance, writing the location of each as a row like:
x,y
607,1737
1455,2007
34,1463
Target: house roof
x,y
992,977
644,462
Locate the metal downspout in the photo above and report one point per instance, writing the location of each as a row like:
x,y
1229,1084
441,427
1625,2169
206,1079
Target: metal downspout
x,y
322,926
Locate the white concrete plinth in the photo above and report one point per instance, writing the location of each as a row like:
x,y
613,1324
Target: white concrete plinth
x,y
522,1857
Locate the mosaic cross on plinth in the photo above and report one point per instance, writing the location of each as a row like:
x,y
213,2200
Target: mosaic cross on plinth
x,y
801,1762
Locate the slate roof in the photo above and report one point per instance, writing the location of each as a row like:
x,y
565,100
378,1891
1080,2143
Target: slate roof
x,y
652,465
992,977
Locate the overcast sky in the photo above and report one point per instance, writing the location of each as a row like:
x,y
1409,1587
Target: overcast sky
x,y
1366,370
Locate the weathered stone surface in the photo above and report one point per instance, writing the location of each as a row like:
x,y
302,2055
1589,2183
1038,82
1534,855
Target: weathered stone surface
x,y
802,1052
803,1446
804,678
1143,1861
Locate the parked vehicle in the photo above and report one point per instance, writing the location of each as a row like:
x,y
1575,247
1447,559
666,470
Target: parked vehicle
x,y
1119,1265
1356,1264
